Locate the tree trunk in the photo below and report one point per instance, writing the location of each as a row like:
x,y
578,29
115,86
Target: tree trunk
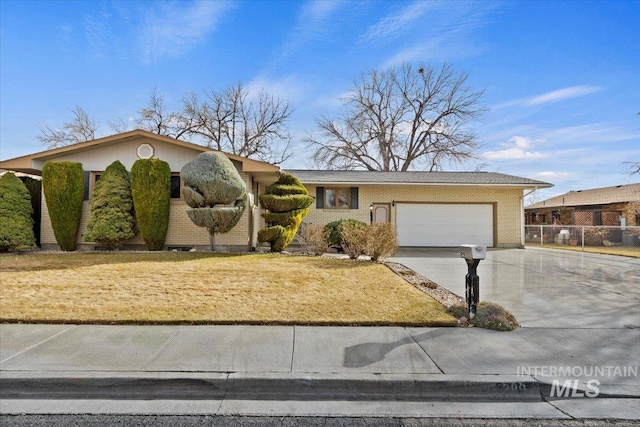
x,y
212,240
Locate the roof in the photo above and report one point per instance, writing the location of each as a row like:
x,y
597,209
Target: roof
x,y
24,163
595,196
414,178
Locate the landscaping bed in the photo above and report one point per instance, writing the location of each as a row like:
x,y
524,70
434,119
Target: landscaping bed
x,y
208,288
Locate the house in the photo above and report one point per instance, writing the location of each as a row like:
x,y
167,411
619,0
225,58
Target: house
x,y
440,209
611,206
427,208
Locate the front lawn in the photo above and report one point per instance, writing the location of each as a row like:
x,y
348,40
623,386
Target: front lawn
x,y
170,287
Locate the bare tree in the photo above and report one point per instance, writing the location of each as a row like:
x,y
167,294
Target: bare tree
x,y
234,121
155,117
401,119
81,128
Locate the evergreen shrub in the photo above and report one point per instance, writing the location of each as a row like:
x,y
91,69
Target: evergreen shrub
x,y
16,224
151,191
63,185
287,202
111,221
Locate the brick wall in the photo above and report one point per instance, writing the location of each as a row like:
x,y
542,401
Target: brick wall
x,y
508,221
182,232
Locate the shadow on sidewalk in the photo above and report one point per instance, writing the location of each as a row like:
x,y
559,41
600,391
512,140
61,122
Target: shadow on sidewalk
x,y
365,354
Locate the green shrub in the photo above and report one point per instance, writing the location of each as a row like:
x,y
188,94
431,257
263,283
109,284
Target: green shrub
x,y
335,235
111,221
35,190
16,224
354,238
63,184
151,191
488,315
383,240
287,201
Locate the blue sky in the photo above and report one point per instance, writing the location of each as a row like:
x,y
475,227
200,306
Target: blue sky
x,y
561,78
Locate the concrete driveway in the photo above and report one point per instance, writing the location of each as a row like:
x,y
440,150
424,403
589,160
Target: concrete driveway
x,y
544,287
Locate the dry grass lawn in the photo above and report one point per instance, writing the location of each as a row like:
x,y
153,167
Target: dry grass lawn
x,y
169,287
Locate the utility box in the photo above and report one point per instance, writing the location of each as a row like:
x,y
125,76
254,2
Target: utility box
x,y
472,252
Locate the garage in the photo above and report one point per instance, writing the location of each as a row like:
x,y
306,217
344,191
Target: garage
x,y
444,225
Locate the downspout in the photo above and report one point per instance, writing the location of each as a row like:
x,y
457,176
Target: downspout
x,y
522,221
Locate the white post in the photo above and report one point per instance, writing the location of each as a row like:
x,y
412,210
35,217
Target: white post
x,y
541,236
583,238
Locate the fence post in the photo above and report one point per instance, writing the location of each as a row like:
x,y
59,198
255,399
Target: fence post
x,y
541,236
583,238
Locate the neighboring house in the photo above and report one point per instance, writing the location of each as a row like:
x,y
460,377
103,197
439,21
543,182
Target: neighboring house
x,y
427,208
437,209
615,206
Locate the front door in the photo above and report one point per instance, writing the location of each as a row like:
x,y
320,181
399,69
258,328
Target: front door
x,y
381,212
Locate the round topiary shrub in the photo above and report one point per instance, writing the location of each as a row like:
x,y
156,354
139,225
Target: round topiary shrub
x,y
215,191
335,232
16,224
287,201
63,185
151,191
111,221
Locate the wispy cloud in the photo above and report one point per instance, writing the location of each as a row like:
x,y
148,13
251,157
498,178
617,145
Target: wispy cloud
x,y
518,148
151,31
550,97
177,27
562,94
552,175
310,24
290,87
435,30
391,25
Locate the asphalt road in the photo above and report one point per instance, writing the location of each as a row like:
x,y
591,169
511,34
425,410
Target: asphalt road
x,y
228,421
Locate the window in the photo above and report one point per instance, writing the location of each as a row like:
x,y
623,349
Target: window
x,y
337,198
175,186
597,218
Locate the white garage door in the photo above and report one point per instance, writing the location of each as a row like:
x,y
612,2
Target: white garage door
x,y
430,224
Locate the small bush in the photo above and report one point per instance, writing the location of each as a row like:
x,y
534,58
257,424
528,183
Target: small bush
x,y
488,315
63,185
111,220
335,235
383,241
355,239
16,224
315,238
151,192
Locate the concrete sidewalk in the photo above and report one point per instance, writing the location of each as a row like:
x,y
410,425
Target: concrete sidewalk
x,y
259,370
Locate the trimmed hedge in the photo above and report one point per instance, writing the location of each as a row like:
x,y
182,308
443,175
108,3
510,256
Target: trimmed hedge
x,y
63,184
16,224
111,220
287,201
151,191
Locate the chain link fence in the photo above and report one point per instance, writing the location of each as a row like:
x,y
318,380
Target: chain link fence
x,y
579,235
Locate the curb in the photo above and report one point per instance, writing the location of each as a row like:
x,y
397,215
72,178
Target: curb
x,y
367,387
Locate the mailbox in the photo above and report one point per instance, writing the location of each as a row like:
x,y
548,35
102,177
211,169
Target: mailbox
x,y
473,251
472,254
